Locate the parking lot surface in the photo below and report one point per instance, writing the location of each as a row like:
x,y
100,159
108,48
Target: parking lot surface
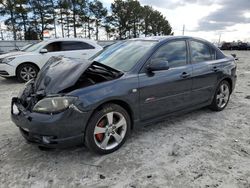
x,y
198,149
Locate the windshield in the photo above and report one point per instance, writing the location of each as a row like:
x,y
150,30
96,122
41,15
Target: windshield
x,y
34,47
124,55
26,47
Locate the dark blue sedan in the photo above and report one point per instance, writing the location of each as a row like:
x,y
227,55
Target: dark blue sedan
x,y
99,101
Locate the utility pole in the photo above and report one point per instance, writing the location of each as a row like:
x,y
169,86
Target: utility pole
x,y
219,39
183,30
1,31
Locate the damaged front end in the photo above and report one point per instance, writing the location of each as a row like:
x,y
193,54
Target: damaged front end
x,y
44,111
59,77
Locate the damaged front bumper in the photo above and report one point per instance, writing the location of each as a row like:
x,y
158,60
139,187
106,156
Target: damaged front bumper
x,y
51,130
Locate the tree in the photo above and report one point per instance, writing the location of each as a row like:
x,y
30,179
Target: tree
x,y
42,15
159,25
76,11
129,16
22,20
146,13
53,4
109,29
135,11
119,18
7,7
99,12
31,34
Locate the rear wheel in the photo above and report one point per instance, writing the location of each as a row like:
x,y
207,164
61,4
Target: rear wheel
x,y
107,129
221,96
26,72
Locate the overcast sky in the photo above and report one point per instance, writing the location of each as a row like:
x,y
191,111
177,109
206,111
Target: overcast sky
x,y
205,18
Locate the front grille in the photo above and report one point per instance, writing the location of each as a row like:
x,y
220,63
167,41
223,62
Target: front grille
x,y
3,73
36,138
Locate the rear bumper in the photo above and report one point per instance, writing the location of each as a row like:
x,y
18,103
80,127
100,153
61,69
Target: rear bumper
x,y
51,130
7,70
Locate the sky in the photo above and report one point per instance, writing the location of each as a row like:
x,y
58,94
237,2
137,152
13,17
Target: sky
x,y
214,20
207,19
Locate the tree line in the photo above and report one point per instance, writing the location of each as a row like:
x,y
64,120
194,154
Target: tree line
x,y
28,19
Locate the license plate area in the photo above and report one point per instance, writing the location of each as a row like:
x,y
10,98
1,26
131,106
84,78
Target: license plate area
x,y
15,109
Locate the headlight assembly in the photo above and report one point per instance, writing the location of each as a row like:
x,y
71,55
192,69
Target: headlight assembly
x,y
54,104
8,59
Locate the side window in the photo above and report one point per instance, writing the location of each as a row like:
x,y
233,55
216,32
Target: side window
x,y
53,47
200,52
173,52
213,53
72,45
86,46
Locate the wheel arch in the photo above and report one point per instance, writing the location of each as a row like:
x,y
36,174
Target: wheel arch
x,y
31,63
119,102
230,81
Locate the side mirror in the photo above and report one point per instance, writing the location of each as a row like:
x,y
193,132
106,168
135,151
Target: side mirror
x,y
43,51
235,57
158,66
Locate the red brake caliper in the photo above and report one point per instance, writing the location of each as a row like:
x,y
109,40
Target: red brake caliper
x,y
100,136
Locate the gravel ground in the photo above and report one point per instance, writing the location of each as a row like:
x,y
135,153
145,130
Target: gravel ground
x,y
199,149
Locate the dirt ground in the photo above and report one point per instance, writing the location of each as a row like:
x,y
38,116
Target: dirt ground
x,y
199,149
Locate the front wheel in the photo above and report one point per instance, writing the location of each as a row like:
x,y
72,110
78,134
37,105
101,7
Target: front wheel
x,y
107,129
221,97
26,72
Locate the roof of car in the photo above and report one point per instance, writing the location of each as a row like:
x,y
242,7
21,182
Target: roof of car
x,y
163,38
70,39
157,38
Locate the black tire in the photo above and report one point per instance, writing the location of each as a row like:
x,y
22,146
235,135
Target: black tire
x,y
26,66
43,148
215,105
97,118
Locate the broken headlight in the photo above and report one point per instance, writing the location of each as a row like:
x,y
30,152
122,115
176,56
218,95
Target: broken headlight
x,y
54,104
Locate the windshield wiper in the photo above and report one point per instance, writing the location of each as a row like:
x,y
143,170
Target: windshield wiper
x,y
104,69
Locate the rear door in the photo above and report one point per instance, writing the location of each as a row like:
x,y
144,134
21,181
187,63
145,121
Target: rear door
x,y
166,91
77,49
204,71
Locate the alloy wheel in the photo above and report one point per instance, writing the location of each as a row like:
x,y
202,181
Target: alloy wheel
x,y
27,73
222,96
110,130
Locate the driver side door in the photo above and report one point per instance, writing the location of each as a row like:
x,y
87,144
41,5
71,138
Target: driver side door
x,y
166,91
53,49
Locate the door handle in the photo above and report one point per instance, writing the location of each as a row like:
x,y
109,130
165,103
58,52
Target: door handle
x,y
215,68
185,75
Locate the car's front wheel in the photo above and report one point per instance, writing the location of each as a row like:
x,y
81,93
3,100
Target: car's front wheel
x,y
221,97
107,129
26,72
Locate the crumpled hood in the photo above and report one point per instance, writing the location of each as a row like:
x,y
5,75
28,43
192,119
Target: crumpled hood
x,y
58,74
12,54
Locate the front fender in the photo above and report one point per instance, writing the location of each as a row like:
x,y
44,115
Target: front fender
x,y
122,89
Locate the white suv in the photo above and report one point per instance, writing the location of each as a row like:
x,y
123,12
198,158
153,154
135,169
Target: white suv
x,y
27,63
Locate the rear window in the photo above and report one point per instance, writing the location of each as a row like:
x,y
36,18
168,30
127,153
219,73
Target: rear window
x,y
200,52
68,46
72,45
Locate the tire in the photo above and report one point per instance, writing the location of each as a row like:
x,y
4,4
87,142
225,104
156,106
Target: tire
x,y
43,148
221,96
107,129
26,72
